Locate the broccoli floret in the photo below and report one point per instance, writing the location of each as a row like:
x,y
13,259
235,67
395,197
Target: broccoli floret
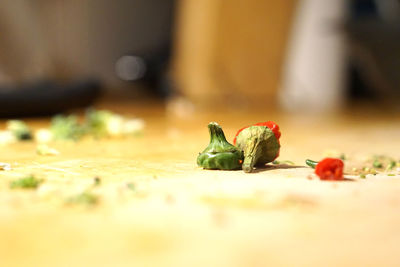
x,y
19,129
66,128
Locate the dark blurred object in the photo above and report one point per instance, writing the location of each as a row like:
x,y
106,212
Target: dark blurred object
x,y
46,98
374,34
68,41
149,69
129,45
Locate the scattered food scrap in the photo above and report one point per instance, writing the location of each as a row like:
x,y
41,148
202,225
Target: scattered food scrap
x,y
19,129
5,166
286,162
84,198
96,181
96,123
66,128
45,150
104,123
101,123
29,182
377,164
131,186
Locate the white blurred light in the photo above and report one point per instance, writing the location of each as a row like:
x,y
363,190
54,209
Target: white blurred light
x,y
43,135
130,68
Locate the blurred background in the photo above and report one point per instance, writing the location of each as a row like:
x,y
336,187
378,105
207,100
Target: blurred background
x,y
295,55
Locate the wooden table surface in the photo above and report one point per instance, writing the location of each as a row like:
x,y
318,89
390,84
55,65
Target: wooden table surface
x,y
180,215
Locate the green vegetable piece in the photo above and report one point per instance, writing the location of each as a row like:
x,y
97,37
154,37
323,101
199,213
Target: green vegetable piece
x,y
45,150
131,186
377,164
259,146
66,128
363,176
219,154
311,163
85,198
391,174
96,181
29,182
391,165
102,123
19,129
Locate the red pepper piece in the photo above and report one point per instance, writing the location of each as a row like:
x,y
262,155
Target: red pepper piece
x,y
273,126
330,169
270,124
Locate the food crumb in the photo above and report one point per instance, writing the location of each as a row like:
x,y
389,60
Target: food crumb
x,y
85,198
45,150
96,181
219,217
131,186
5,166
169,199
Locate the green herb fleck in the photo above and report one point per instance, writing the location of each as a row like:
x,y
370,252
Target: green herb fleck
x,y
131,186
29,182
391,165
343,156
363,176
85,198
391,174
287,162
377,164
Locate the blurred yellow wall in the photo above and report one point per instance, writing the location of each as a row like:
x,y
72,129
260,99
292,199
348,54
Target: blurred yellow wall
x,y
231,51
